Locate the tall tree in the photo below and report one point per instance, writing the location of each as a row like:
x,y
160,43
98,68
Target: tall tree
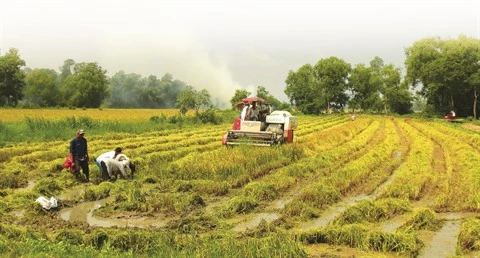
x,y
41,88
364,87
124,90
396,96
331,75
11,78
444,68
303,91
264,94
66,69
190,98
87,86
238,96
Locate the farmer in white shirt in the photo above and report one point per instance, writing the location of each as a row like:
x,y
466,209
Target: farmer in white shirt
x,y
102,161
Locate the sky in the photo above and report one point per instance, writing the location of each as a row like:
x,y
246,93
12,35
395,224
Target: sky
x,y
223,45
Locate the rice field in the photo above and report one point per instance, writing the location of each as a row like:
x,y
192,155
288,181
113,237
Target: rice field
x,y
14,115
377,187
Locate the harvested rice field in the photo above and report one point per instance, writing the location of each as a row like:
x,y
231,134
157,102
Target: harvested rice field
x,y
374,187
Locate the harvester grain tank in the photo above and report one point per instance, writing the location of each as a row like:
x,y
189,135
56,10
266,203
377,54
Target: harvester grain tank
x,y
268,129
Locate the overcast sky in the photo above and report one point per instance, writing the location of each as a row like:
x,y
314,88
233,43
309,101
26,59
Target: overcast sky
x,y
226,45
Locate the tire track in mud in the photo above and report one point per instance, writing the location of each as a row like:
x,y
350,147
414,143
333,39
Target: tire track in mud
x,y
439,167
332,212
401,154
219,202
444,241
441,243
271,210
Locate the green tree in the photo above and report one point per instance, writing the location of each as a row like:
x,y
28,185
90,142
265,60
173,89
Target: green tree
x,y
444,68
12,78
66,69
364,87
41,88
238,96
331,75
264,94
399,99
474,82
396,96
193,99
303,92
87,86
124,90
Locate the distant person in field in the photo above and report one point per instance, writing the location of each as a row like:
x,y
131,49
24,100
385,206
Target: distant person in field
x,y
79,154
352,117
452,113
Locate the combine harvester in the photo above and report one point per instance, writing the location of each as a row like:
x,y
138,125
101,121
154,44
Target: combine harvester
x,y
269,129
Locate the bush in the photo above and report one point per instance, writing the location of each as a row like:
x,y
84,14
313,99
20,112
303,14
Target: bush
x,y
209,116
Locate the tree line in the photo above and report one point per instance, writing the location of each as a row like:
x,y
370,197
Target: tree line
x,y
82,85
444,72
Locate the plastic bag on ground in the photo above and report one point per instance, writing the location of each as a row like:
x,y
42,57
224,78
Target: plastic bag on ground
x,y
46,203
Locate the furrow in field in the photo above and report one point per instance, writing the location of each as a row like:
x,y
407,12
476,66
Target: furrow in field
x,y
341,155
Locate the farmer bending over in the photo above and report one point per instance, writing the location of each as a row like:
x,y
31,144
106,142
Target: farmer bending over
x,y
101,162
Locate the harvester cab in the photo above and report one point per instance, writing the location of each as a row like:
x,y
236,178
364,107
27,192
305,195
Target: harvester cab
x,y
259,126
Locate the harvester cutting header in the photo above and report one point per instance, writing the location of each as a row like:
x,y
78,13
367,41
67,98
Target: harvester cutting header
x,y
258,125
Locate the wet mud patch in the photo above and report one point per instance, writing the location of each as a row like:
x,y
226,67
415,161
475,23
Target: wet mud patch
x,y
254,220
331,213
84,212
392,224
444,242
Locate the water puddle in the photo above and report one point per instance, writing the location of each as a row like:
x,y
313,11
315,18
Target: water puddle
x,y
280,204
444,242
255,221
380,189
392,224
456,215
72,195
83,212
331,213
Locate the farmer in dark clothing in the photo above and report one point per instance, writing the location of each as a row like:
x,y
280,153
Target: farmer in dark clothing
x,y
79,153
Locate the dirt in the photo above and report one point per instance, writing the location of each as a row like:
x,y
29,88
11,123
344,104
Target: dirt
x,y
331,213
444,242
255,220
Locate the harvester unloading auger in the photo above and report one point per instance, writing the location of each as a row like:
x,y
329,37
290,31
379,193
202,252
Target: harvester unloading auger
x,y
259,126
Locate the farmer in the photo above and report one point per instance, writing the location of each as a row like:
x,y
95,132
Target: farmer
x,y
79,154
114,163
120,166
252,112
100,162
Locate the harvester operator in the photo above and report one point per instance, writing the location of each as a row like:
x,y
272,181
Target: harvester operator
x,y
253,112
